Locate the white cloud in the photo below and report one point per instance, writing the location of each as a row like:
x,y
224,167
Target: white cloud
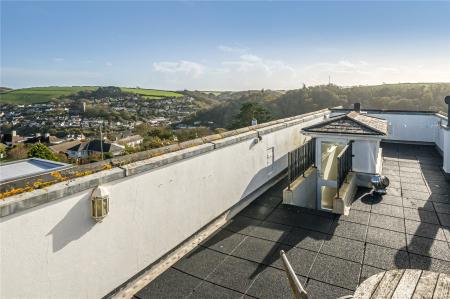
x,y
250,71
253,69
348,73
229,49
58,59
108,63
184,67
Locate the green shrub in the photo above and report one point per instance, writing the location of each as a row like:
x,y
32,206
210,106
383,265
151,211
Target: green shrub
x,y
41,151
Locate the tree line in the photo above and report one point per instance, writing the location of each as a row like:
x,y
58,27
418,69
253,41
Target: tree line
x,y
407,96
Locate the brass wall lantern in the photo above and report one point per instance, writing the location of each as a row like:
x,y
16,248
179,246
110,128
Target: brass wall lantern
x,y
99,204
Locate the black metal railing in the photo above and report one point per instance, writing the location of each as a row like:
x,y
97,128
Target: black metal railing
x,y
300,159
345,164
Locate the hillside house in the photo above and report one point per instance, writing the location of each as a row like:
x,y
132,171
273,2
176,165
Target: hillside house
x,y
89,148
131,141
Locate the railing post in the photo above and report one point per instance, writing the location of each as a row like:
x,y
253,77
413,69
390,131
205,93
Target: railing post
x,y
338,179
304,159
289,171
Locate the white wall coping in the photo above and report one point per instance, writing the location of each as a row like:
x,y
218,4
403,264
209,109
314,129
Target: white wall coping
x,y
21,202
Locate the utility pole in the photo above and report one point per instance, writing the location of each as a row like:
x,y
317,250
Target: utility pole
x,y
101,140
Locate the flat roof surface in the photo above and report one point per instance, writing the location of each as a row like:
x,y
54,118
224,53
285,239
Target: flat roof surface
x,y
29,167
331,254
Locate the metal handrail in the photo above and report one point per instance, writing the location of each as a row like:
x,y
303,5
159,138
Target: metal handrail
x,y
300,159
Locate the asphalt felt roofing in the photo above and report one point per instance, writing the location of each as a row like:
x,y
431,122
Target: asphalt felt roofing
x,y
407,228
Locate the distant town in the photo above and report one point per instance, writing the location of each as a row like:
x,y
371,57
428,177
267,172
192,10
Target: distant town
x,y
92,125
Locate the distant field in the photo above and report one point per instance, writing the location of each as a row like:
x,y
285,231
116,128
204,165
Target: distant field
x,y
46,94
152,93
39,94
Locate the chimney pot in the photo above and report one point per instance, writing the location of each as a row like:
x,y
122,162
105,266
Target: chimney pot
x,y
38,134
357,107
47,135
14,133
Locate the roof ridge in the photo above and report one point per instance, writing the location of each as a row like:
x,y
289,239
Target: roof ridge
x,y
364,124
365,128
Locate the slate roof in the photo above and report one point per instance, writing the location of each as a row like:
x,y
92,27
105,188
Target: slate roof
x,y
8,137
44,139
331,254
351,123
95,146
63,147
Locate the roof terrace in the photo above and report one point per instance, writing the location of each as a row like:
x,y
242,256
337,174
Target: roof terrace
x,y
208,217
407,228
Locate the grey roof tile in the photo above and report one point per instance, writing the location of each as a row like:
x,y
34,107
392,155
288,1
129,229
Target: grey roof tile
x,y
387,222
256,250
304,238
343,248
200,262
336,271
223,241
385,258
243,274
429,247
317,289
430,264
207,290
423,229
300,259
272,283
349,230
386,238
171,284
351,123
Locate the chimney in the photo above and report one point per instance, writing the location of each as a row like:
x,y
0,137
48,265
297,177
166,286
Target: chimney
x,y
38,134
357,107
46,135
447,101
14,133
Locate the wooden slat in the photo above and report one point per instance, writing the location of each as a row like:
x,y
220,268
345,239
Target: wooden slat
x,y
407,284
387,285
425,286
366,289
442,290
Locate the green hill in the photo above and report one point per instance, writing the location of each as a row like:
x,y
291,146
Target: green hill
x,y
46,94
40,94
152,93
407,96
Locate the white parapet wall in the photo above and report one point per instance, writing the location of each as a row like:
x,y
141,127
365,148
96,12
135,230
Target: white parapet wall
x,y
303,191
415,127
53,249
445,136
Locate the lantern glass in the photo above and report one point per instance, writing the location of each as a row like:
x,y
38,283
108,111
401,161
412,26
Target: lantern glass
x,y
100,207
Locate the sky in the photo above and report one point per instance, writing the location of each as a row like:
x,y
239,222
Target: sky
x,y
223,45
